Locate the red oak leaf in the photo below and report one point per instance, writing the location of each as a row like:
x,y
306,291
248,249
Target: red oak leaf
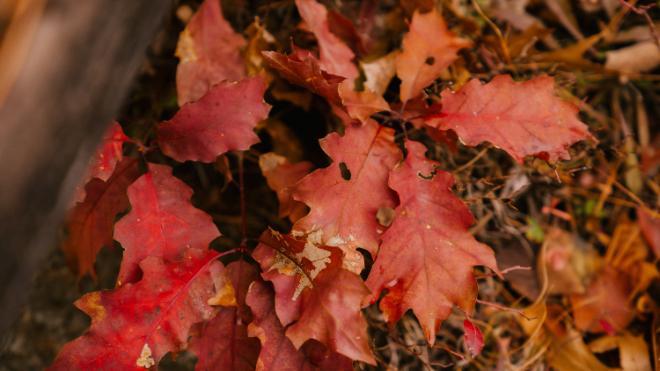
x,y
291,264
221,121
331,314
281,176
277,351
109,153
336,57
324,359
343,27
427,50
361,105
345,196
427,254
90,222
314,294
473,338
522,118
242,274
223,343
162,222
135,325
302,68
210,52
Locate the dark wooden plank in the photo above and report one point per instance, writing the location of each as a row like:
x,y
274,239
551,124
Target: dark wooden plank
x,y
83,58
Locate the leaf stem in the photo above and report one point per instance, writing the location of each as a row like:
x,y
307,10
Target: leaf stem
x,y
241,188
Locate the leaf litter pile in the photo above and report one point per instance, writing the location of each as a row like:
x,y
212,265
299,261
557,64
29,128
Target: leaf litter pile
x,y
298,185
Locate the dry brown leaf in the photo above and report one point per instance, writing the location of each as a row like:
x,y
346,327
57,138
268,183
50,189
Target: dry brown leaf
x,y
259,39
570,353
634,353
569,262
640,57
604,306
514,12
378,73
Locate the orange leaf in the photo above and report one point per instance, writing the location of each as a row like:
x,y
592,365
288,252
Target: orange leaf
x,y
345,196
428,49
426,259
210,52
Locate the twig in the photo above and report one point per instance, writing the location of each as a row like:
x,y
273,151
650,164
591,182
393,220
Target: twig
x,y
472,161
505,48
241,188
506,309
643,10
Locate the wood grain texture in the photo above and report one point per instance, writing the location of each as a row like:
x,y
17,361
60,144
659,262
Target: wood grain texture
x,y
81,62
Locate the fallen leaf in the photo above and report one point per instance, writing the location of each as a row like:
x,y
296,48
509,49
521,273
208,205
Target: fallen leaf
x,y
277,351
427,50
341,210
474,340
634,353
224,343
314,296
331,314
222,120
209,51
336,57
378,73
162,222
640,57
291,264
259,40
135,325
523,118
570,353
569,262
627,253
90,223
281,176
524,281
427,255
325,359
606,299
514,12
302,68
107,155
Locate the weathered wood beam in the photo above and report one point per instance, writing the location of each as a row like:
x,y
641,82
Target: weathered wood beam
x,y
82,59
